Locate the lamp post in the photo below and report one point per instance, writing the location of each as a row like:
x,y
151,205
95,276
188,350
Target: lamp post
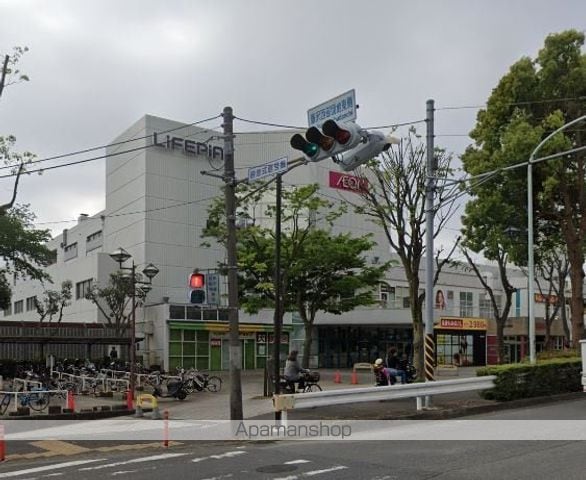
x,y
530,256
150,271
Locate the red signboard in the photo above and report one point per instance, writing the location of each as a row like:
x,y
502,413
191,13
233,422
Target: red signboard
x,y
350,183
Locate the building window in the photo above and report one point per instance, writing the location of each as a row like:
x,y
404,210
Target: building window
x,y
53,257
71,251
386,295
485,305
93,241
466,304
82,289
31,303
18,307
8,311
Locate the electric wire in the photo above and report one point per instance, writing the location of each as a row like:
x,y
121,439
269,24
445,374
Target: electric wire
x,y
91,159
512,104
87,150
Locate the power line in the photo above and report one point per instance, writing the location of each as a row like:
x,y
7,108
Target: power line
x,y
91,159
512,104
87,150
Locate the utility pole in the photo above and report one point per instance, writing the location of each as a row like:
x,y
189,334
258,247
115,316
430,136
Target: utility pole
x,y
278,294
236,412
431,169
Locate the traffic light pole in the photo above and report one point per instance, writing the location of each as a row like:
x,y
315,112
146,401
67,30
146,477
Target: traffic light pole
x,y
278,295
236,412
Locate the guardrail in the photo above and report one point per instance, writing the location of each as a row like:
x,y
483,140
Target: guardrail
x,y
283,403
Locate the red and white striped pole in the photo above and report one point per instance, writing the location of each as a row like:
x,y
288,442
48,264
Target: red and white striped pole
x,y
166,428
2,444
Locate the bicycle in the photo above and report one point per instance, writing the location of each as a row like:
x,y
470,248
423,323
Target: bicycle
x,y
37,399
202,381
311,380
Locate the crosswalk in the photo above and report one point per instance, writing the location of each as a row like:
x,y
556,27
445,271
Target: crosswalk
x,y
236,463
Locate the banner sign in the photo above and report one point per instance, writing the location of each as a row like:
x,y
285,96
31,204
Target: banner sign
x,y
350,183
462,324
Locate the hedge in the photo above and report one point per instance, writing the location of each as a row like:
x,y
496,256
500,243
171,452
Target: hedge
x,y
547,377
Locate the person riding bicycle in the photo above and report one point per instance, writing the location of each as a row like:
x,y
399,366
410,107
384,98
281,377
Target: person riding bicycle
x,y
293,370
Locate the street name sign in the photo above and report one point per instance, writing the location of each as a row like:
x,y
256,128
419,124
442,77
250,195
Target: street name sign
x,y
272,168
341,109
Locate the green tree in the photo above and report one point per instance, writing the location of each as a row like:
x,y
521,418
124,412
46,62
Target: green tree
x,y
395,201
321,271
114,299
23,250
533,99
54,302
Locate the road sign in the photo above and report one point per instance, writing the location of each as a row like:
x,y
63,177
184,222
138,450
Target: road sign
x,y
213,288
272,168
341,109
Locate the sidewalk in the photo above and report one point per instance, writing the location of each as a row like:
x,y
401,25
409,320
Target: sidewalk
x,y
216,406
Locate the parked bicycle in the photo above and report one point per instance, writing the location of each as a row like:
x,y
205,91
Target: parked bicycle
x,y
200,381
37,399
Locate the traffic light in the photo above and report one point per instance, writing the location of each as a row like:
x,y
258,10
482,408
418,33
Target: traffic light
x,y
334,138
197,288
374,145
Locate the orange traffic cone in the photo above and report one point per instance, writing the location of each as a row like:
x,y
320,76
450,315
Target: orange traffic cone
x,y
337,377
70,400
354,378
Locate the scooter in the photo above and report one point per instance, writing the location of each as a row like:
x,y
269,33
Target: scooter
x,y
175,389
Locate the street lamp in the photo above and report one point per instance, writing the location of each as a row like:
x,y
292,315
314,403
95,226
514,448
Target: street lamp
x,y
150,271
530,257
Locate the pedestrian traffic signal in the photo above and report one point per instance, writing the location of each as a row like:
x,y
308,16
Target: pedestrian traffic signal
x,y
334,138
197,288
375,143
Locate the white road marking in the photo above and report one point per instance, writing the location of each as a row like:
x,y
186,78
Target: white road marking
x,y
44,468
53,475
152,458
122,472
219,456
294,462
219,478
319,472
312,473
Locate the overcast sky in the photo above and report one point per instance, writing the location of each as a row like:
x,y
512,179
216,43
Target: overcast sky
x,y
98,66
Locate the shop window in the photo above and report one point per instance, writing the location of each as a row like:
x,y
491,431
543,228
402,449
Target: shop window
x,y
189,362
203,348
175,349
174,363
189,349
203,336
175,335
189,335
193,313
202,363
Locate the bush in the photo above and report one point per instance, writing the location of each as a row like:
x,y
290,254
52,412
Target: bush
x,y
546,355
547,377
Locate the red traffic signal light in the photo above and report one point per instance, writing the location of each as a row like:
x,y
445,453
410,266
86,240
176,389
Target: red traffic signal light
x,y
197,280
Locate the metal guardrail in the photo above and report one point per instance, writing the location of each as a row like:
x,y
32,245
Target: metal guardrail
x,y
285,402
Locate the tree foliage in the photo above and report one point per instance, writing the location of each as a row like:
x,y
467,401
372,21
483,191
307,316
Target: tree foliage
x,y
532,100
114,300
321,270
395,201
54,302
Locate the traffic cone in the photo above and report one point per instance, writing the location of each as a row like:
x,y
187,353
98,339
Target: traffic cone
x,y
70,401
337,377
354,378
129,400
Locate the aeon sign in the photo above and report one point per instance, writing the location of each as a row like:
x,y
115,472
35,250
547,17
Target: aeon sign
x,y
188,147
350,183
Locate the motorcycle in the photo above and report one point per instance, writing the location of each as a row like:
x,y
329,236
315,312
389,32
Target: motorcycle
x,y
175,389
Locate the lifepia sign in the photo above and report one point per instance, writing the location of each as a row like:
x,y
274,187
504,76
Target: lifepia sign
x,y
350,183
188,147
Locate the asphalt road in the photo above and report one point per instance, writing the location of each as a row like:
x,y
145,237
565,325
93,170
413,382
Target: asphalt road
x,y
371,460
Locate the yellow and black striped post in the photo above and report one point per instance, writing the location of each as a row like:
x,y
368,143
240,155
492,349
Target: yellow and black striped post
x,y
429,358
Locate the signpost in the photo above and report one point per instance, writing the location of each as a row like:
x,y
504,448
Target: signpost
x,y
341,109
279,165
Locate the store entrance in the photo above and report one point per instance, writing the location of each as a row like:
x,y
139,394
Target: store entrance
x,y
463,348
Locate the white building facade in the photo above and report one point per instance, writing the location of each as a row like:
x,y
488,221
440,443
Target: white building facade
x,y
156,209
